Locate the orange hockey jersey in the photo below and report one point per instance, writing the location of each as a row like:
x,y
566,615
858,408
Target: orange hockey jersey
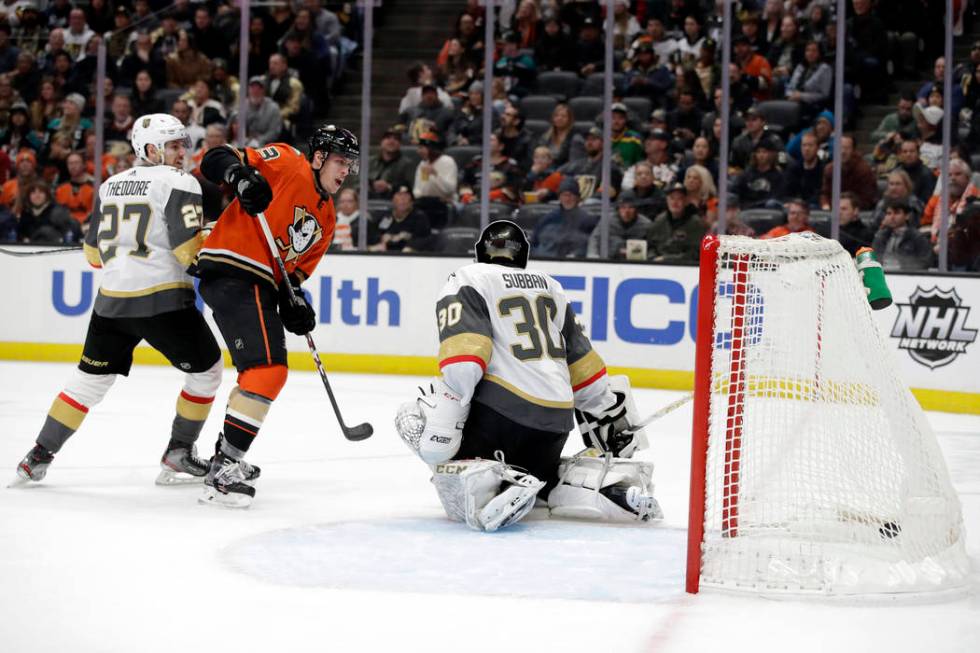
x,y
302,223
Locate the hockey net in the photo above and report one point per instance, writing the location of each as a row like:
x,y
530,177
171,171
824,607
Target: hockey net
x,y
814,470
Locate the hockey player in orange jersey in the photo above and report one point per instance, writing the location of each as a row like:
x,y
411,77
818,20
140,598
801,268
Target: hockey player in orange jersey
x,y
243,286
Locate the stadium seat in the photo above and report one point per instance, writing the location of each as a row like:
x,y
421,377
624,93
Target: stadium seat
x,y
379,207
820,221
463,154
762,220
868,218
456,240
580,127
595,83
168,96
528,215
470,215
538,107
585,108
411,154
537,128
975,162
561,84
782,115
640,107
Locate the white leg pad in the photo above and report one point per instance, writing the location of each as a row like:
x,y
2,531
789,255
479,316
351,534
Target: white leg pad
x,y
587,483
485,494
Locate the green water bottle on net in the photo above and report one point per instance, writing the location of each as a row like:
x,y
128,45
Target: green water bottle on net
x,y
874,279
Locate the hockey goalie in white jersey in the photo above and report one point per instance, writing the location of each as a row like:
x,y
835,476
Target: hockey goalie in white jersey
x,y
514,365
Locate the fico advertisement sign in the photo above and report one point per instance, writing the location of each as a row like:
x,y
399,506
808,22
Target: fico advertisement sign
x,y
373,310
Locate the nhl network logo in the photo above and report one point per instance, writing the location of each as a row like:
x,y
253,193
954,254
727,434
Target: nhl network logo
x,y
932,327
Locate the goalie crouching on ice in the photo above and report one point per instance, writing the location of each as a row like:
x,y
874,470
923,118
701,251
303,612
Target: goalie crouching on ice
x,y
514,366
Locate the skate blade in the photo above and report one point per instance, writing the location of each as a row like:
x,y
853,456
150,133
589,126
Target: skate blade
x,y
19,481
212,497
168,477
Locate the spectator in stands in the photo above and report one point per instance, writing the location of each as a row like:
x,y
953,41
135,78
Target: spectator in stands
x,y
856,176
648,76
645,195
744,144
14,191
733,223
25,78
854,234
625,25
964,240
559,136
735,120
224,86
797,220
182,112
823,129
263,121
751,70
516,141
119,126
518,70
804,177
627,144
707,68
389,168
751,28
18,133
938,78
867,43
77,193
284,89
420,75
961,189
655,145
590,50
428,115
656,34
45,108
261,45
627,225
929,122
436,179
811,83
701,155
701,190
312,72
8,52
467,127
456,73
554,50
186,64
542,181
762,184
689,44
564,233
345,235
78,34
684,121
899,245
467,35
786,53
923,179
505,176
899,125
209,40
405,229
899,187
144,97
71,123
588,170
204,109
165,38
142,56
675,235
43,221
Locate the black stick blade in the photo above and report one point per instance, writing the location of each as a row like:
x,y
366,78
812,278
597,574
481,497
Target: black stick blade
x,y
359,432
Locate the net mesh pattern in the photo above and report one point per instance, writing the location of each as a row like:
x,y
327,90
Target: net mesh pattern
x,y
822,474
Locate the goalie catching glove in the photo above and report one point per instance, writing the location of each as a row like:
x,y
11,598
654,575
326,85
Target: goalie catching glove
x,y
432,425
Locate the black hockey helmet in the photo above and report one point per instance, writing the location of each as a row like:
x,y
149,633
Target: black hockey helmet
x,y
331,139
503,242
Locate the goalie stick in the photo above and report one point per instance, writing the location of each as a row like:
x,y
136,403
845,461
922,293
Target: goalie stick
x,y
666,410
354,433
41,252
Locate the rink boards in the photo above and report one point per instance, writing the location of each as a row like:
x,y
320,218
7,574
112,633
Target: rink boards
x,y
376,314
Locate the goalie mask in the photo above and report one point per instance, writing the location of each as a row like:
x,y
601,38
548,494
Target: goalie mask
x,y
503,243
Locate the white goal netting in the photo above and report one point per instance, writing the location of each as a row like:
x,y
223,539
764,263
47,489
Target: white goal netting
x,y
822,474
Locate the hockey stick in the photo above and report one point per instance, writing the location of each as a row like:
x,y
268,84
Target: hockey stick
x,y
354,433
669,408
41,252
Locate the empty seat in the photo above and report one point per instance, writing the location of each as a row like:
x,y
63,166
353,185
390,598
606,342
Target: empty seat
x,y
379,207
536,128
457,240
581,127
762,220
528,216
561,84
782,115
470,215
640,107
585,108
168,96
463,154
538,107
820,221
595,83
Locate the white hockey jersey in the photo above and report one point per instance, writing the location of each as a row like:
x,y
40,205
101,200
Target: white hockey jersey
x,y
145,231
509,339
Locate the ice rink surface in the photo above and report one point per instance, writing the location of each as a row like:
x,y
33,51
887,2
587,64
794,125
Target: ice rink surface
x,y
346,547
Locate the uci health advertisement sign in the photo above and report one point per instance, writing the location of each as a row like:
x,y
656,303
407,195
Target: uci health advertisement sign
x,y
376,314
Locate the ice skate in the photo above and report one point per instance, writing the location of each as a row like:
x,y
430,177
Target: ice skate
x,y
180,465
225,484
33,467
249,471
632,498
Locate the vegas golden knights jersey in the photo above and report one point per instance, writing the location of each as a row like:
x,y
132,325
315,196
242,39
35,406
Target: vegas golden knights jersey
x,y
509,339
145,231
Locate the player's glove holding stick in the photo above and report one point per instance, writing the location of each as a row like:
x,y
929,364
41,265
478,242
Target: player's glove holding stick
x,y
297,315
251,188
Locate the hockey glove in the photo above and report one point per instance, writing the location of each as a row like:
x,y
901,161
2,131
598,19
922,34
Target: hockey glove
x,y
251,188
295,312
608,430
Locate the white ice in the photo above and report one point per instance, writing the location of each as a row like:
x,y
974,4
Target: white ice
x,y
346,547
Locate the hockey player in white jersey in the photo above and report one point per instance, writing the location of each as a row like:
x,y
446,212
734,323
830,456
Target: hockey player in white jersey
x,y
145,230
514,364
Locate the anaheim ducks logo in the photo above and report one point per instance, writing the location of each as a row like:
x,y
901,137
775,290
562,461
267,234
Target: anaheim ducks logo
x,y
304,232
